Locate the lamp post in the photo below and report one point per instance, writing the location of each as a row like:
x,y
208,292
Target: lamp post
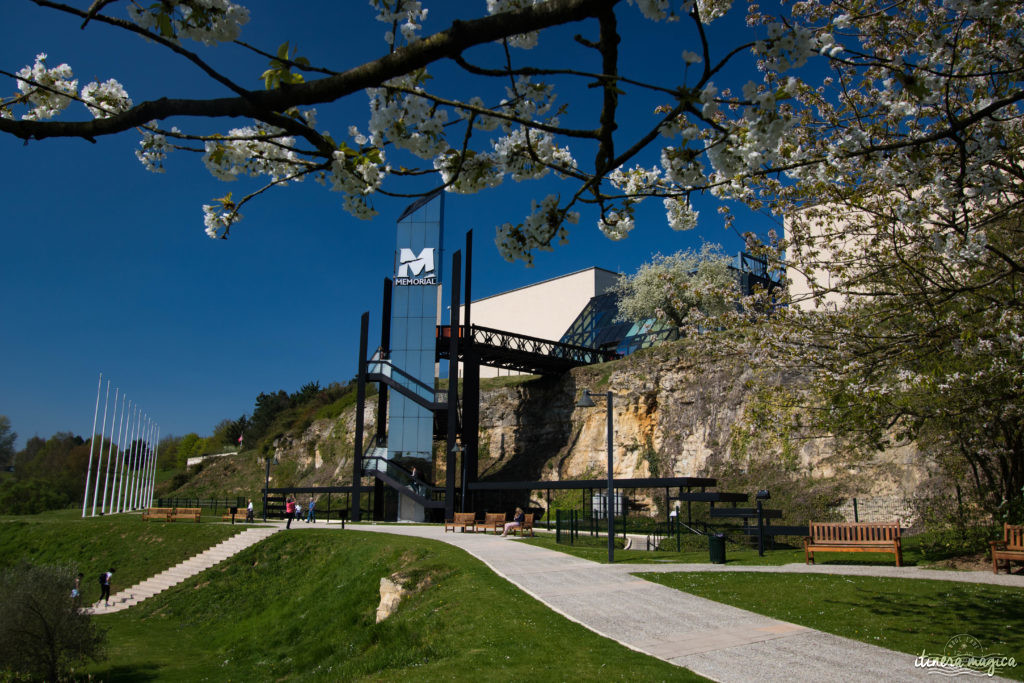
x,y
266,484
587,401
457,451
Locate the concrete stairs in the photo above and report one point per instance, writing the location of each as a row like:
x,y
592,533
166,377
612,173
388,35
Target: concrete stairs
x,y
184,570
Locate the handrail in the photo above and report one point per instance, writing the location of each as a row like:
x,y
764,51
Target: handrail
x,y
400,371
521,342
412,388
402,476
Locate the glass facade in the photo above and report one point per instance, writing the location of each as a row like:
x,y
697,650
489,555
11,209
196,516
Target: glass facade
x,y
597,328
414,311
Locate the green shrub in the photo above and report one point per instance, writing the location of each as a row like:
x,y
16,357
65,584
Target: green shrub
x,y
42,631
30,497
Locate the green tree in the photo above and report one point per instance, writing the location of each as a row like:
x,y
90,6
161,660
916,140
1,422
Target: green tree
x,y
190,446
925,344
57,466
43,632
685,288
7,439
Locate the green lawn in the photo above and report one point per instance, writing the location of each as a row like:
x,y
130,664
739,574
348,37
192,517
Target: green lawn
x,y
136,549
906,615
302,607
694,549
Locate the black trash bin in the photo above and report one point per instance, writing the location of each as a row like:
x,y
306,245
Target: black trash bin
x,y
716,548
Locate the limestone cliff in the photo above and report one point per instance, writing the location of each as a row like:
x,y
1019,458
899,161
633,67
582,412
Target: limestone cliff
x,y
672,417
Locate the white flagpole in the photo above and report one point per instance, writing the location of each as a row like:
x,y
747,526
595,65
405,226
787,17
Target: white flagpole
x,y
125,464
133,463
156,458
121,452
140,456
117,458
92,445
103,429
110,452
143,463
146,488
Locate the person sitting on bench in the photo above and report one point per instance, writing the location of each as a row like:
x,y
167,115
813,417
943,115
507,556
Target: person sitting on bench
x,y
517,521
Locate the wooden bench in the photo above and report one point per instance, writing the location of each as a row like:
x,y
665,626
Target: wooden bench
x,y
464,520
1011,548
192,514
161,514
493,520
527,525
854,537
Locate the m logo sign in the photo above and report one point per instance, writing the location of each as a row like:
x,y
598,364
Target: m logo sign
x,y
411,266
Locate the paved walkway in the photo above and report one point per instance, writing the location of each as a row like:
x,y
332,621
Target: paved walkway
x,y
715,640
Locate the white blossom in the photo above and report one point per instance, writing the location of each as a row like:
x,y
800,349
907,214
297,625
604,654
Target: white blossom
x,y
655,10
206,21
219,218
252,151
681,215
153,149
106,99
524,41
409,15
526,154
48,91
616,225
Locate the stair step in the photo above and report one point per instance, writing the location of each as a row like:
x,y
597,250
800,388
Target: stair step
x,y
184,570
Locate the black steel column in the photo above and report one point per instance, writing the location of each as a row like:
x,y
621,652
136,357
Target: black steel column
x,y
385,348
610,503
357,467
470,379
453,386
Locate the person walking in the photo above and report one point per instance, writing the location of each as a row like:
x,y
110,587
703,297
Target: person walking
x,y
289,512
311,511
76,591
105,579
249,512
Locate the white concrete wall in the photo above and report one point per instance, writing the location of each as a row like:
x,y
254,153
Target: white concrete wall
x,y
544,310
195,461
808,293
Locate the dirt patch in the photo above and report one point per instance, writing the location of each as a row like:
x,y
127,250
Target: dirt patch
x,y
966,563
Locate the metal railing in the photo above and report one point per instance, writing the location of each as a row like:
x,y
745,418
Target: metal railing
x,y
501,339
212,504
379,368
403,476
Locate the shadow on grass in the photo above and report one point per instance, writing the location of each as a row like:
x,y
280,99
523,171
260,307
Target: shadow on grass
x,y
129,673
994,618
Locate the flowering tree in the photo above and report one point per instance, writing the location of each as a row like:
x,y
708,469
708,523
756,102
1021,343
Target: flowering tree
x,y
887,134
685,289
842,93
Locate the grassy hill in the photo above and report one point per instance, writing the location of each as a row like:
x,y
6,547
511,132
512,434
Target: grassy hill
x,y
301,606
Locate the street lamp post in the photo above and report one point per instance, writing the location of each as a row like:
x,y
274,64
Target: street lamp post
x,y
266,484
459,452
587,401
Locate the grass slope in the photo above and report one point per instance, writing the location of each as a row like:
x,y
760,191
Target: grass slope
x,y
907,615
136,549
302,606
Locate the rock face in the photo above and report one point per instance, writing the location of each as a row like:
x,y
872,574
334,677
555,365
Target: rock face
x,y
672,416
391,593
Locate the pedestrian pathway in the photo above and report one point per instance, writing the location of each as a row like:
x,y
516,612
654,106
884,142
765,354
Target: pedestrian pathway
x,y
712,639
188,568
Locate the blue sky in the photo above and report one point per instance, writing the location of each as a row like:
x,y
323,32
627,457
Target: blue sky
x,y
105,266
